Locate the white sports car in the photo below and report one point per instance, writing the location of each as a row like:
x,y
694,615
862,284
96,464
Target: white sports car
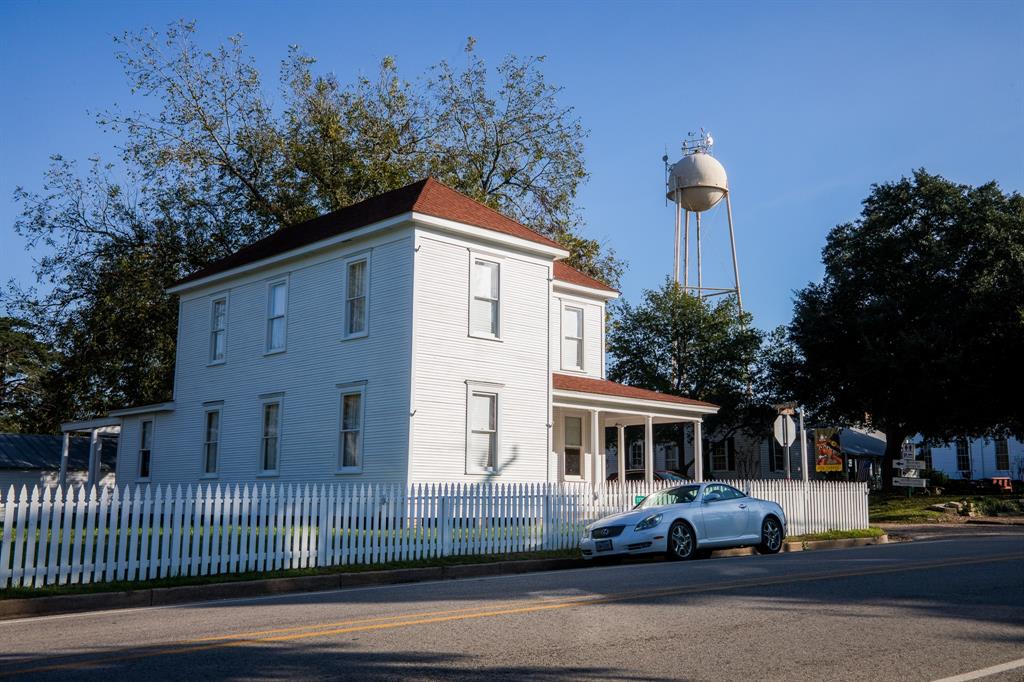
x,y
687,522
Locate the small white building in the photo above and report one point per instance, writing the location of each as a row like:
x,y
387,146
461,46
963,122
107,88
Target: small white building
x,y
417,336
976,458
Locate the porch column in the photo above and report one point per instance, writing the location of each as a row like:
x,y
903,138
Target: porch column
x,y
649,450
596,468
620,452
93,472
698,452
62,477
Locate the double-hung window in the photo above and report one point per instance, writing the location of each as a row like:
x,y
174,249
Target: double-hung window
x,y
572,338
350,442
218,329
270,442
573,446
357,298
277,315
482,426
1002,454
485,299
145,448
211,442
963,456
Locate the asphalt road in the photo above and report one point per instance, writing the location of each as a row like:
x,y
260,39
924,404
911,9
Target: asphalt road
x,y
944,605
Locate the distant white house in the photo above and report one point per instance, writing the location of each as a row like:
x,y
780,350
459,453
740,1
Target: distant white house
x,y
976,458
417,336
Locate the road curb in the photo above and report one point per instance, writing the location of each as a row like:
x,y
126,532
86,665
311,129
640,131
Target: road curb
x,y
167,596
809,545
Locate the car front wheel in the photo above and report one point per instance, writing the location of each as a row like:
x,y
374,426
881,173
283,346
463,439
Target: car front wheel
x,y
771,536
682,543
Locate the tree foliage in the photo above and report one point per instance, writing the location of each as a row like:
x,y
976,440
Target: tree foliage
x,y
208,164
918,324
675,343
24,364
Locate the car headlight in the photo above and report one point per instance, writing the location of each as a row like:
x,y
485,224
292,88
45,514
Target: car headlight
x,y
649,522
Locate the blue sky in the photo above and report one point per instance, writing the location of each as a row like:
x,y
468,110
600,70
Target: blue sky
x,y
809,103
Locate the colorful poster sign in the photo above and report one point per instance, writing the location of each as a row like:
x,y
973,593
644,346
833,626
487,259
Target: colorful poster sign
x,y
827,455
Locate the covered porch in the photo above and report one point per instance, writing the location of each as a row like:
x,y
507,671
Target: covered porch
x,y
583,407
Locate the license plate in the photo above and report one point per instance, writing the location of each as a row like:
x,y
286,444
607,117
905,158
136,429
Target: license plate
x,y
603,545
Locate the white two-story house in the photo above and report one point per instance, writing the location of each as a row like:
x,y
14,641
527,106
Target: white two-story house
x,y
417,336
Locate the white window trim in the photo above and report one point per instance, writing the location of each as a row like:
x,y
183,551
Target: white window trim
x,y
344,390
267,350
495,390
500,262
582,338
355,258
260,471
138,453
209,357
583,446
203,473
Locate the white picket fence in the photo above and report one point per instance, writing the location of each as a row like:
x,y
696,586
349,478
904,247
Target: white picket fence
x,y
51,536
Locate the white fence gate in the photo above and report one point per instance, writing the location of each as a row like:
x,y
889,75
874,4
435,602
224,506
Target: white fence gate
x,y
50,536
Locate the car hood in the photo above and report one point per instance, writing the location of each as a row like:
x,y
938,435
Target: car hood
x,y
631,517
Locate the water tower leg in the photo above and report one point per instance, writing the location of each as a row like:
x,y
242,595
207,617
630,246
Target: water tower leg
x,y
686,251
735,262
700,273
675,262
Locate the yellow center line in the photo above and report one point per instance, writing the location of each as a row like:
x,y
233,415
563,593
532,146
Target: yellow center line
x,y
370,624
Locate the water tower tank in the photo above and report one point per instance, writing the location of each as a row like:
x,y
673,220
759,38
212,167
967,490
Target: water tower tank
x,y
697,182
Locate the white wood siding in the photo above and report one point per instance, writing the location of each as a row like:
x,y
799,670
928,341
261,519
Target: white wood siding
x,y
593,335
307,374
446,357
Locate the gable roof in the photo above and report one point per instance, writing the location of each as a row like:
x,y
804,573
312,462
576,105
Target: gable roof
x,y
41,451
571,275
429,197
568,382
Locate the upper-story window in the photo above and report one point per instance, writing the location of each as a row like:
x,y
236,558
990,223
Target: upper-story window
x,y
572,338
277,315
218,329
357,296
485,299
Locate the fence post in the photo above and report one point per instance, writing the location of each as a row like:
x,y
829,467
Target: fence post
x,y
444,520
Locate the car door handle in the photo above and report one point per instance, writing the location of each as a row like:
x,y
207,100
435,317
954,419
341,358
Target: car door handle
x,y
743,506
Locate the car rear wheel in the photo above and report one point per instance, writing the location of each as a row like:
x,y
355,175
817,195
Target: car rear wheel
x,y
771,536
682,543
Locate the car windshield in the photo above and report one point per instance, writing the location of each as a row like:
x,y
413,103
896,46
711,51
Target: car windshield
x,y
680,495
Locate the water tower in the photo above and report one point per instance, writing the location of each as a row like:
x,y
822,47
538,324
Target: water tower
x,y
696,183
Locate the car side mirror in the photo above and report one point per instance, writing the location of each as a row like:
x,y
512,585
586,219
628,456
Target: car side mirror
x,y
712,497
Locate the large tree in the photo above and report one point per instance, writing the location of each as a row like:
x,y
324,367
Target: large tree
x,y
699,348
918,324
208,165
24,365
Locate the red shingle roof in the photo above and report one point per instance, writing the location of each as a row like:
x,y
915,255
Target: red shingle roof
x,y
428,197
567,382
570,274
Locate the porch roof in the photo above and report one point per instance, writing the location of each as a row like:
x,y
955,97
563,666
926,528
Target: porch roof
x,y
579,384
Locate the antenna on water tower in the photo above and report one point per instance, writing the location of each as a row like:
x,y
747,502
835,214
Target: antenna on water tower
x,y
696,183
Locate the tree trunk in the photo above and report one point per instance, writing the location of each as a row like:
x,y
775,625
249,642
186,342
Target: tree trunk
x,y
894,438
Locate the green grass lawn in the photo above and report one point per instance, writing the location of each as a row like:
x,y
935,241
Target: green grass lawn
x,y
838,535
899,508
121,586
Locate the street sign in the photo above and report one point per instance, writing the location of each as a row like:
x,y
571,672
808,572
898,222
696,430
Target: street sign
x,y
907,482
908,464
785,430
